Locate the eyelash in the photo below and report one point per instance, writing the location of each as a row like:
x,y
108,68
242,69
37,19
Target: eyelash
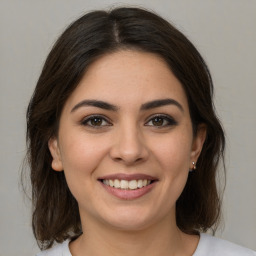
x,y
169,121
90,119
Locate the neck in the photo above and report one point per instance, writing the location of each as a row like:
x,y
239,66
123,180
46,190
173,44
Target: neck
x,y
163,239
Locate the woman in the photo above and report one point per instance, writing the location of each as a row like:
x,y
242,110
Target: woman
x,y
124,142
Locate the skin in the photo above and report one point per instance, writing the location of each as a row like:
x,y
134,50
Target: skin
x,y
127,141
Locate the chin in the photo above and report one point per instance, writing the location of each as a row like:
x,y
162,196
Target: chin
x,y
129,225
130,219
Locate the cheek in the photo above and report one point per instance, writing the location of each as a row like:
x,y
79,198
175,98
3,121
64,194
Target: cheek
x,y
175,159
80,156
173,152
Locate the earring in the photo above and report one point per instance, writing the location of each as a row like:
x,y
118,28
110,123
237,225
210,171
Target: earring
x,y
193,168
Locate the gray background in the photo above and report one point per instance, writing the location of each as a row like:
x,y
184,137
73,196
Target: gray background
x,y
223,31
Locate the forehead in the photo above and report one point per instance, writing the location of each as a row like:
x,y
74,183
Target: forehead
x,y
128,77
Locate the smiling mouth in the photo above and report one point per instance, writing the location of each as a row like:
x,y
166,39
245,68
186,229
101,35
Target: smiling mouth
x,y
127,184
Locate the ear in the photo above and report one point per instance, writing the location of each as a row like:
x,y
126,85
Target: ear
x,y
55,152
198,143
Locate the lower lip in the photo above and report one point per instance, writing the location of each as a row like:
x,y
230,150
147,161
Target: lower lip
x,y
129,194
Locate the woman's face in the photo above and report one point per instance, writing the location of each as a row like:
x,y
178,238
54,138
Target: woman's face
x,y
125,141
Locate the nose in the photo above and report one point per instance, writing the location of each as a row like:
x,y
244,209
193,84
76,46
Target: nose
x,y
129,146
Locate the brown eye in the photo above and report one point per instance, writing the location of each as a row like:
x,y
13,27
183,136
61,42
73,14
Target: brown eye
x,y
95,122
161,121
157,121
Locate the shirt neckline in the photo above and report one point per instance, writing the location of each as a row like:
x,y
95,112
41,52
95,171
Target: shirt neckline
x,y
202,236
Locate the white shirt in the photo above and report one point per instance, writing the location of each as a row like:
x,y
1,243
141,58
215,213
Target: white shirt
x,y
207,246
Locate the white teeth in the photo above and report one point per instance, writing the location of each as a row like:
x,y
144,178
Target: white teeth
x,y
116,184
106,182
133,184
140,185
111,183
125,184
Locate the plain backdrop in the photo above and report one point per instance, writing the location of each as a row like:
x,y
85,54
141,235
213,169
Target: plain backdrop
x,y
223,31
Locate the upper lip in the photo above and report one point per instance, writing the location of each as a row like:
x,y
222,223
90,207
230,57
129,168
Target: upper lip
x,y
124,176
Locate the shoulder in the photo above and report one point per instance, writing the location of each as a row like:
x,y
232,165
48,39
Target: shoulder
x,y
58,250
212,246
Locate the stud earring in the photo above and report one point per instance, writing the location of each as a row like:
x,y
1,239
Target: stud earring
x,y
193,168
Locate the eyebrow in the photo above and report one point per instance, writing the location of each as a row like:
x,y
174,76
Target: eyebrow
x,y
160,103
95,103
145,106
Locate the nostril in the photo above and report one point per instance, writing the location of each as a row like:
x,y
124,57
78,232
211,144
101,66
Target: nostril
x,y
128,149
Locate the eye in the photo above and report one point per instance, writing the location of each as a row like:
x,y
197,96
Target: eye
x,y
161,121
95,121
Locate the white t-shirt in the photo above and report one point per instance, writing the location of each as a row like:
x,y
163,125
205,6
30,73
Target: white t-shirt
x,y
207,246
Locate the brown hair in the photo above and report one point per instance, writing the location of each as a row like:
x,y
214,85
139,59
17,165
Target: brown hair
x,y
55,210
